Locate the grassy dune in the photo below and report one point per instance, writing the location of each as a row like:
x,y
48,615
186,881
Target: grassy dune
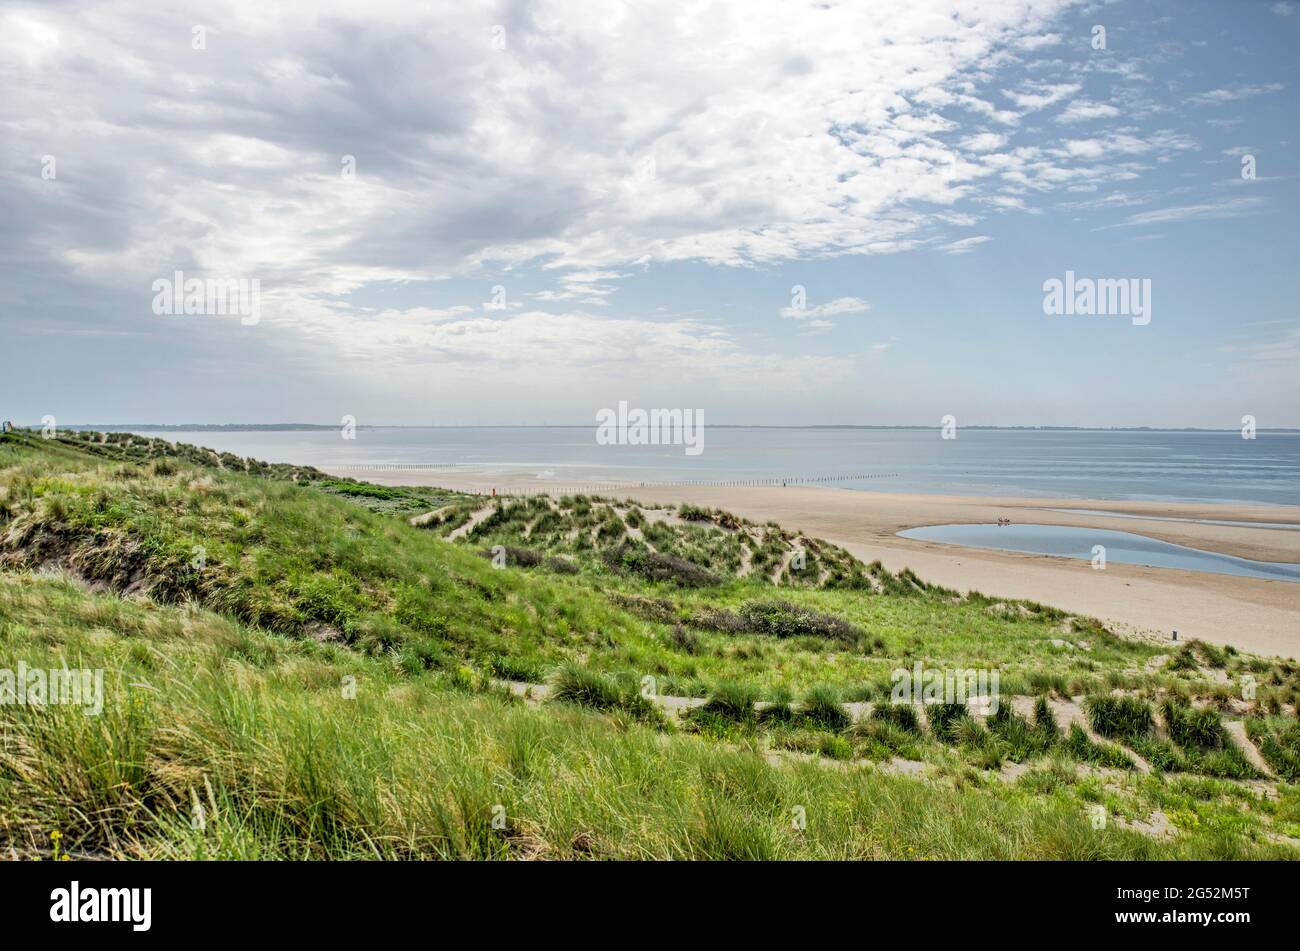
x,y
295,670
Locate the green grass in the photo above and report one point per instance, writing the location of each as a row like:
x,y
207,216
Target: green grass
x,y
230,603
1279,743
255,728
900,715
1127,719
589,688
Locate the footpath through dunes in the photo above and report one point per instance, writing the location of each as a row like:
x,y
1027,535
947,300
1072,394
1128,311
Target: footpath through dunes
x,y
1248,613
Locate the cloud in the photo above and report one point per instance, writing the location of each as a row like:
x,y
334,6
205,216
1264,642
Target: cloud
x,y
1217,97
350,157
1037,96
592,140
1081,110
836,308
965,245
1286,8
585,287
984,142
1207,211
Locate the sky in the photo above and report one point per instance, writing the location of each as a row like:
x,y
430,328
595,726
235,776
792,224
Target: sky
x,y
776,212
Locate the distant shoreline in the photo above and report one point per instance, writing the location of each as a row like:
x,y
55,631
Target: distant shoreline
x,y
318,427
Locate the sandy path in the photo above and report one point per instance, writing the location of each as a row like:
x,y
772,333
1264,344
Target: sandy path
x,y
474,521
1249,613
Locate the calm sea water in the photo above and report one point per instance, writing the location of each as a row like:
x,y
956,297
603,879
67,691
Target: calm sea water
x,y
1209,467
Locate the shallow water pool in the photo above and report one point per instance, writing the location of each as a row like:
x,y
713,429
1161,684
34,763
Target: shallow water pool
x,y
1064,541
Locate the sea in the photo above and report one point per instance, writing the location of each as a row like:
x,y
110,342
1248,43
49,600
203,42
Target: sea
x,y
1039,463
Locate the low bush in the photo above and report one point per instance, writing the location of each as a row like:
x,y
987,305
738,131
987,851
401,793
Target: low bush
x,y
784,619
653,566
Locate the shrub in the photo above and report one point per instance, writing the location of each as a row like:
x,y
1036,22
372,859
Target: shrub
x,y
516,557
684,640
653,566
561,566
783,619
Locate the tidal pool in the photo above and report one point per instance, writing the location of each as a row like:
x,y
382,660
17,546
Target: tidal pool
x,y
1065,541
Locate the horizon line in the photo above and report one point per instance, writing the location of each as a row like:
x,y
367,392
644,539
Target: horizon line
x,y
309,427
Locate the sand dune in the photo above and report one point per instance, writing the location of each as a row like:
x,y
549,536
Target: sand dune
x,y
1253,614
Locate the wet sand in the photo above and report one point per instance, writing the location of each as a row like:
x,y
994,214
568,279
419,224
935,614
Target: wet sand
x,y
1250,613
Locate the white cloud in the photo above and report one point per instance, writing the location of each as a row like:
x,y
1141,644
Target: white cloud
x,y
965,245
836,308
1225,208
1037,96
600,136
1081,110
1216,97
984,142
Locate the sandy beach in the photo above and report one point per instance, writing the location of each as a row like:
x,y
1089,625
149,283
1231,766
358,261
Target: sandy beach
x,y
1253,614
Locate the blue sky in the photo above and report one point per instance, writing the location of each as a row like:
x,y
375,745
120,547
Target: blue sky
x,y
647,184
